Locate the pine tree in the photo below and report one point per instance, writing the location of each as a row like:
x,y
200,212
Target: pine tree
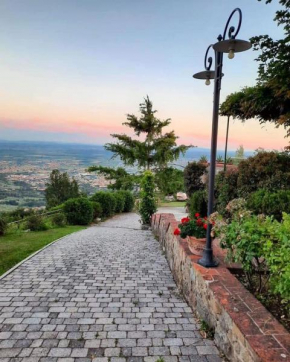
x,y
156,150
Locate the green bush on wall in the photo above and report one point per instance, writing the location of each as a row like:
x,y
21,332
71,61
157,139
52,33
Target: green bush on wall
x,y
270,203
78,211
107,201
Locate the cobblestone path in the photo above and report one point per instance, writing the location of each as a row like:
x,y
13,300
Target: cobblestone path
x,y
103,294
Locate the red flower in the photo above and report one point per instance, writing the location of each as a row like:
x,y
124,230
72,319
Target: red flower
x,y
199,222
205,226
185,220
205,218
197,215
176,231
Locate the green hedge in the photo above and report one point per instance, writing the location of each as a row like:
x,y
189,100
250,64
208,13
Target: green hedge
x,y
198,203
107,201
129,200
120,202
78,211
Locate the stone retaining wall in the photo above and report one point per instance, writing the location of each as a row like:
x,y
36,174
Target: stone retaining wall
x,y
244,330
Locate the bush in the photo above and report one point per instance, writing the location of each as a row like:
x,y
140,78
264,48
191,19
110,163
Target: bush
x,y
58,219
147,205
192,177
36,223
176,178
78,211
270,203
3,226
97,209
129,201
265,170
197,203
120,202
107,201
225,189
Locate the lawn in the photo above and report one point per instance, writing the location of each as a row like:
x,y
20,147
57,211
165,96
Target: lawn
x,y
17,246
173,204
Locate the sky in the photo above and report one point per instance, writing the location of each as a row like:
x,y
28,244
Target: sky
x,y
70,70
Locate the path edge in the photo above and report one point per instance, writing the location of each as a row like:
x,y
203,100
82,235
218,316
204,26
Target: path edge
x,y
9,271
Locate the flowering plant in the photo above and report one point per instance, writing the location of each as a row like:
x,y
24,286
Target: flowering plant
x,y
192,227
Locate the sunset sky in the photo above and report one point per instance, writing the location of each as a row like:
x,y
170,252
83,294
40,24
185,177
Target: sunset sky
x,y
70,70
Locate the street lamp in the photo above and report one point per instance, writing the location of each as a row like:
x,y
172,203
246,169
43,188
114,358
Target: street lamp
x,y
230,46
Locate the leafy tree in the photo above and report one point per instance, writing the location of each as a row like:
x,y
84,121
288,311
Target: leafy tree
x,y
169,180
121,179
269,100
156,150
148,204
240,152
193,173
60,188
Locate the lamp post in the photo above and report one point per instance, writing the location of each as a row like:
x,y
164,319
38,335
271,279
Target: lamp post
x,y
230,46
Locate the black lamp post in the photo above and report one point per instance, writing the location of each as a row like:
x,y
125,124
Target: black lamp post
x,y
230,46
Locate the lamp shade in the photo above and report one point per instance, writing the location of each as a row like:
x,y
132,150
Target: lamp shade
x,y
235,45
206,74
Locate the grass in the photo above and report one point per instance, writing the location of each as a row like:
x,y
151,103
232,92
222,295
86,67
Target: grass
x,y
173,204
16,246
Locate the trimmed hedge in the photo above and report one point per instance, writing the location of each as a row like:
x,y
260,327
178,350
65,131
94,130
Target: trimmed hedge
x,y
120,202
129,200
78,211
97,209
107,201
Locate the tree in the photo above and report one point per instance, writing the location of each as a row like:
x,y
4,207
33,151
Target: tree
x,y
269,100
169,180
60,188
121,179
240,152
193,173
156,150
148,205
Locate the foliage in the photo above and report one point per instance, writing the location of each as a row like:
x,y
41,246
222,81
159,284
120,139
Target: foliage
x,y
198,203
192,177
240,152
268,170
107,201
120,202
220,159
269,100
60,188
203,159
120,178
169,180
196,226
147,205
229,160
156,149
78,211
97,209
260,244
16,246
3,225
225,189
270,203
58,219
36,223
129,201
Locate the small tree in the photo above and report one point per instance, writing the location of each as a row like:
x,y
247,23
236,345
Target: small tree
x,y
148,202
156,150
60,188
192,177
240,152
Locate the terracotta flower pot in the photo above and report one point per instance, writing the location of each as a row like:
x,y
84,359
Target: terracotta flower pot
x,y
196,246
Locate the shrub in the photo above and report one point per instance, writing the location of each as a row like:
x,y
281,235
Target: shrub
x,y
3,226
129,201
58,219
265,170
225,189
107,201
147,205
120,202
78,211
270,203
196,226
192,177
36,223
176,178
97,209
197,203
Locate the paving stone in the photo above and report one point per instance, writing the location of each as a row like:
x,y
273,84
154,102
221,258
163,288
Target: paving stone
x,y
105,293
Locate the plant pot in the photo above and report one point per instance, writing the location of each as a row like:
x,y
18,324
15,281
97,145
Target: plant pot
x,y
196,246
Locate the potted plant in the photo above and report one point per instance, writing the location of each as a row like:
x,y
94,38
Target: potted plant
x,y
219,160
194,230
203,159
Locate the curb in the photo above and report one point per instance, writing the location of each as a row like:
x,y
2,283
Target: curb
x,y
35,253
